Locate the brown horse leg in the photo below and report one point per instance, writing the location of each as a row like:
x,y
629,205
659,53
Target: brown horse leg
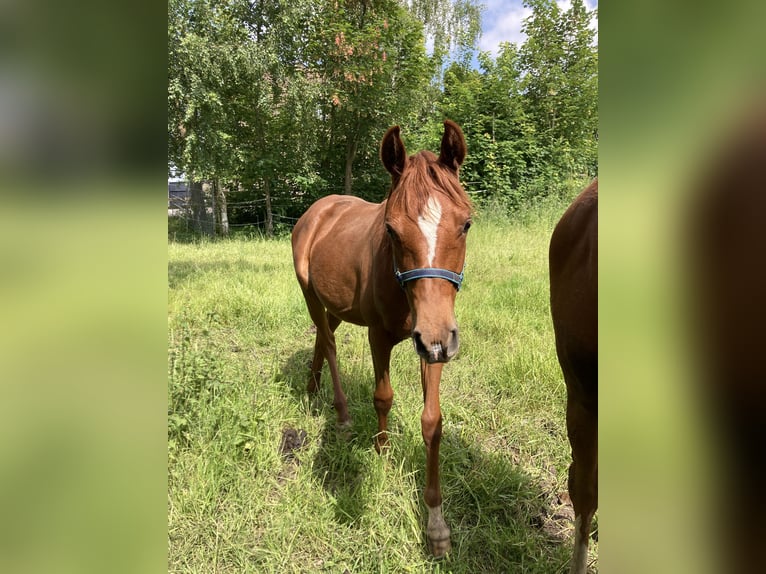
x,y
325,346
316,364
583,478
431,424
339,397
381,345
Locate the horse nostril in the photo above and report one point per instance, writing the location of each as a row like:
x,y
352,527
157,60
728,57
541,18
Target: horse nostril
x,y
433,353
453,344
420,348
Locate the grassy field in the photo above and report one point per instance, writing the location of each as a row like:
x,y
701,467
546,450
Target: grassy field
x,y
240,340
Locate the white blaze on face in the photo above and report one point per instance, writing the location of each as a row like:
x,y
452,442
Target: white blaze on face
x,y
428,221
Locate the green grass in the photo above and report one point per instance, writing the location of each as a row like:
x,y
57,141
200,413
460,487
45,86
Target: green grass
x,y
239,346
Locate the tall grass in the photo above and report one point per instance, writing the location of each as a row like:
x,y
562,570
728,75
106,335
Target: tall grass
x,y
239,344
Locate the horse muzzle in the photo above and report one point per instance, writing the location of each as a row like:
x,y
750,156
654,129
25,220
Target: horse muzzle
x,y
437,349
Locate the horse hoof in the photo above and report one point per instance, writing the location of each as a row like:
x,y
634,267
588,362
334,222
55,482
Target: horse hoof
x,y
438,533
439,547
381,444
344,429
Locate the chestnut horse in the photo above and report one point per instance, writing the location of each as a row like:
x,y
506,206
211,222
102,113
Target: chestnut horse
x,y
394,267
573,260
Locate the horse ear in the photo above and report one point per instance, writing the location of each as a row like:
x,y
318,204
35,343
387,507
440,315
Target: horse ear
x,y
392,153
453,148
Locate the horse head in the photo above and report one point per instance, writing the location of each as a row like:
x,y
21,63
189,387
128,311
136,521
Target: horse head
x,y
427,217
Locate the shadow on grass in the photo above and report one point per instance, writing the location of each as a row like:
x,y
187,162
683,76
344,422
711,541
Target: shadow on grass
x,y
340,461
503,518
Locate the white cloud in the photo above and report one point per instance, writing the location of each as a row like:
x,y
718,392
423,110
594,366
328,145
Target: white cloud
x,y
502,20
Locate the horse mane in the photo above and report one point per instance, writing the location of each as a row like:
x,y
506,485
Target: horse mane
x,y
423,176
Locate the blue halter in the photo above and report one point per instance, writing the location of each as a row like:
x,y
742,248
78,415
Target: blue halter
x,y
429,273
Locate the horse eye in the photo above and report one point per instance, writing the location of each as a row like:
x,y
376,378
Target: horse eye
x,y
467,226
390,231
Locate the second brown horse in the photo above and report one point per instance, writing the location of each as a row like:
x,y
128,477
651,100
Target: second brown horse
x,y
573,260
394,267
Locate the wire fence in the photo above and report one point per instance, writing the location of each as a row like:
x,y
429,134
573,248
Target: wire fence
x,y
202,221
247,213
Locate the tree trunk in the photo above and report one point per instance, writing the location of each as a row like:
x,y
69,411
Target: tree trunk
x,y
269,214
208,219
219,205
351,147
198,211
330,147
213,203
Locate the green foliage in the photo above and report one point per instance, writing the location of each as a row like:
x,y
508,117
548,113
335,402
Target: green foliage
x,y
285,102
192,383
529,115
373,67
560,84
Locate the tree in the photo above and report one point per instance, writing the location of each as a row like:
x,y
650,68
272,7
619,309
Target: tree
x,y
203,52
453,26
580,116
241,107
278,111
530,114
488,105
559,65
277,103
371,59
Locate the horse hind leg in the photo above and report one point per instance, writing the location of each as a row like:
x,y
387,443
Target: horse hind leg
x,y
317,362
339,397
315,373
324,348
583,479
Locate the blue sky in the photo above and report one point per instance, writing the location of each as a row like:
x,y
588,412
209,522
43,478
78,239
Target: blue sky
x,y
502,19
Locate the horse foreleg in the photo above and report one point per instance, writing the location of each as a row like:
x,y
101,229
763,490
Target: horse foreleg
x,y
381,345
438,532
583,478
